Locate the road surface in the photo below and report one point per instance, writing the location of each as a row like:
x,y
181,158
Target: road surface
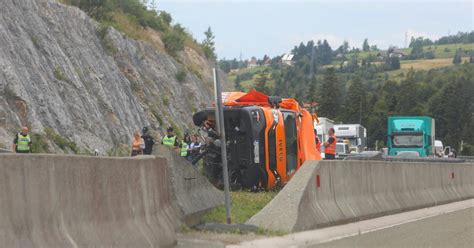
x,y
455,229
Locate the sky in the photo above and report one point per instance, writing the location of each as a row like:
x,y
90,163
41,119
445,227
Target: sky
x,y
255,28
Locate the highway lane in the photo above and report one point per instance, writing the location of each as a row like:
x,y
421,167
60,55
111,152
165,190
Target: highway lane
x,y
455,229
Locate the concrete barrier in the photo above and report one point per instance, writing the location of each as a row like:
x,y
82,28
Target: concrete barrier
x,y
192,192
324,193
78,201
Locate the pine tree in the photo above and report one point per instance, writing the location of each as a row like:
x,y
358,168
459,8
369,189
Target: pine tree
x,y
365,46
329,95
355,103
208,45
457,58
261,82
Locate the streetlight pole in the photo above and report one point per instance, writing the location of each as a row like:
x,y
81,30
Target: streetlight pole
x,y
220,128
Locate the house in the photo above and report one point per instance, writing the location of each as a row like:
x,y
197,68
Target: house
x,y
287,59
397,52
252,63
267,61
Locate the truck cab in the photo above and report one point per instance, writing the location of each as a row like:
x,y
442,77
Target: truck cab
x,y
411,134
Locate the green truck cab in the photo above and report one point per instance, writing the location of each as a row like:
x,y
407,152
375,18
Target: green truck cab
x,y
411,136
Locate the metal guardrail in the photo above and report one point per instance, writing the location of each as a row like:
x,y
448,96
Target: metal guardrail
x,y
467,158
377,156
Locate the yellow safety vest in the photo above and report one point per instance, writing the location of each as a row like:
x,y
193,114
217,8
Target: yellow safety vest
x,y
184,149
169,141
23,143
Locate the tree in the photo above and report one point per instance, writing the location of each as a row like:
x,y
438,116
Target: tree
x,y
457,58
261,82
417,48
208,45
329,95
365,46
409,100
392,63
355,102
345,47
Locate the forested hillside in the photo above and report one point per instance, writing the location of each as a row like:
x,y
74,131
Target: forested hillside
x,y
360,87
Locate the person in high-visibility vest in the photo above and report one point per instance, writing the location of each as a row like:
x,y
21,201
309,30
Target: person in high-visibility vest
x,y
317,141
22,142
170,139
183,151
330,145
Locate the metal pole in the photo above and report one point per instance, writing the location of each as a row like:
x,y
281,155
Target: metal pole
x,y
220,129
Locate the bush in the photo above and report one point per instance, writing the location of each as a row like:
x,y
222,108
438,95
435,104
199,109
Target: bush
x,y
39,143
59,74
181,75
166,101
174,40
60,141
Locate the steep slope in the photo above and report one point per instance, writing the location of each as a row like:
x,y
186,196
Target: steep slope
x,y
60,70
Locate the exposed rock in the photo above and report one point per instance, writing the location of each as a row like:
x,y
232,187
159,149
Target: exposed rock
x,y
60,69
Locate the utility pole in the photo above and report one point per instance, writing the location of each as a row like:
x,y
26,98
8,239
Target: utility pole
x,y
406,38
221,130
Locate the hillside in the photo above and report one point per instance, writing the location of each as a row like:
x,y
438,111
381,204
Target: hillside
x,y
81,86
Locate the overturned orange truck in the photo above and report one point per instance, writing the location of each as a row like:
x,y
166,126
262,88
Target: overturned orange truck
x,y
268,139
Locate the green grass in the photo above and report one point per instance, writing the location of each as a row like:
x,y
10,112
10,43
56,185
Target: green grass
x,y
244,205
440,51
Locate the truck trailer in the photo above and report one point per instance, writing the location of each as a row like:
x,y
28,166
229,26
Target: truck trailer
x,y
356,134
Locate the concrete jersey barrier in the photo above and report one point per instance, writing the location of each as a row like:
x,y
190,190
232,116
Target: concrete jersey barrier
x,y
193,194
78,201
324,193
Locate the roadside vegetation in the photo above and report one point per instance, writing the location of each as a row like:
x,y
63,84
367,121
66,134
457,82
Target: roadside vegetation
x,y
141,22
244,206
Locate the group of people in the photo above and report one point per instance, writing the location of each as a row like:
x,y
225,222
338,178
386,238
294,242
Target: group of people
x,y
188,148
329,145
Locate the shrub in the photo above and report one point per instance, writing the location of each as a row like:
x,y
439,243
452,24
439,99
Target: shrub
x,y
174,40
166,101
59,74
39,143
181,75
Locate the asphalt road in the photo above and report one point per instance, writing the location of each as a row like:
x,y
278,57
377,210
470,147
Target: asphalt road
x,y
455,229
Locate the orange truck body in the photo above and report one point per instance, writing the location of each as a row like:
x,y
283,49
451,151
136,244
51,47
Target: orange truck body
x,y
287,136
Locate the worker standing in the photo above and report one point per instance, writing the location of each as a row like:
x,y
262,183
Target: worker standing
x,y
170,139
330,145
149,141
138,144
22,142
317,141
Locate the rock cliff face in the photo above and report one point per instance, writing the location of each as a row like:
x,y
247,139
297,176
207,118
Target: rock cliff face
x,y
61,71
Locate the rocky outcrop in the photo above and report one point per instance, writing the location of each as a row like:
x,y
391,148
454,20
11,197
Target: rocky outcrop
x,y
60,70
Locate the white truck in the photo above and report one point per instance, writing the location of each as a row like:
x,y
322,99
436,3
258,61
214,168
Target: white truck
x,y
353,134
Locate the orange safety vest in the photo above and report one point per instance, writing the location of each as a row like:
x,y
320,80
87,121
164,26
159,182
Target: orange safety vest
x,y
136,144
318,144
331,148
